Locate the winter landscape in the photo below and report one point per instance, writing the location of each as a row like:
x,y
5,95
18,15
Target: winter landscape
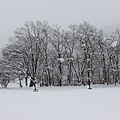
x,y
55,103
59,60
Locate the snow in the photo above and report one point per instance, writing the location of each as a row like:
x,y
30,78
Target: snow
x,y
61,60
65,103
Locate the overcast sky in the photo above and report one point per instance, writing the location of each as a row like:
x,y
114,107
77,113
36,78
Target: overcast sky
x,y
14,13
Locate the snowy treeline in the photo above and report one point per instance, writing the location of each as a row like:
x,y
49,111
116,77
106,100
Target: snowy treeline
x,y
58,57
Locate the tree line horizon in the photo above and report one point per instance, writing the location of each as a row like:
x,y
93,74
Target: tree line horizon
x,y
56,57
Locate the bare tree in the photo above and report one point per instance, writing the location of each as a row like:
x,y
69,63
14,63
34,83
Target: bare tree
x,y
58,45
88,37
71,39
31,36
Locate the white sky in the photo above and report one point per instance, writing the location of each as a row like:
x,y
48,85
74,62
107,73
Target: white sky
x,y
14,13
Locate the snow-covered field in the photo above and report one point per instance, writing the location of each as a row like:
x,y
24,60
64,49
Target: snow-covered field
x,y
65,103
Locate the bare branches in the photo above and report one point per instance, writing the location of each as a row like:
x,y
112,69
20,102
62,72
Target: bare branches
x,y
57,57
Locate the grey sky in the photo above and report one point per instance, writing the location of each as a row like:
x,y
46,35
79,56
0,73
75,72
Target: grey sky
x,y
14,13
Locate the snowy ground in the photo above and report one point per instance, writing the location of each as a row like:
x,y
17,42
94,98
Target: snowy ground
x,y
66,103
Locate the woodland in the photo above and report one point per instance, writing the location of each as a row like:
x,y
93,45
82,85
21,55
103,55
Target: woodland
x,y
57,57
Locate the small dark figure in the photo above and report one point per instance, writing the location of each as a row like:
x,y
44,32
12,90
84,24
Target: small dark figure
x,y
89,82
34,85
